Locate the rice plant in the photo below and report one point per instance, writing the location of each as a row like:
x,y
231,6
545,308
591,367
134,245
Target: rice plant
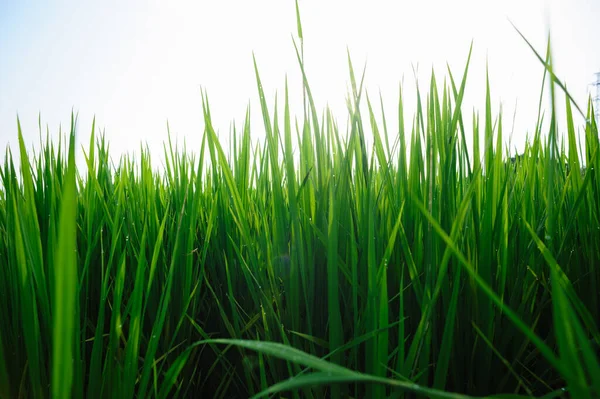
x,y
308,265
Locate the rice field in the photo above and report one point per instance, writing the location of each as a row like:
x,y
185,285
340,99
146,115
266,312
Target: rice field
x,y
309,265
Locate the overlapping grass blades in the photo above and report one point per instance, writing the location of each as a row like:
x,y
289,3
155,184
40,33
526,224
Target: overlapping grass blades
x,y
416,268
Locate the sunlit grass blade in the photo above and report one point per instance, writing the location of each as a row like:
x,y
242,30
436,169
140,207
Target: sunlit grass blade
x,y
65,316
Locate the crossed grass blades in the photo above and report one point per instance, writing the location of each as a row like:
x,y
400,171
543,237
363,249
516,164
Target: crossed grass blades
x,y
309,265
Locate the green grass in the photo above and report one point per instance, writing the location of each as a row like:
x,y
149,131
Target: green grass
x,y
309,265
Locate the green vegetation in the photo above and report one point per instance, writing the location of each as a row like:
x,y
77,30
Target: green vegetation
x,y
357,272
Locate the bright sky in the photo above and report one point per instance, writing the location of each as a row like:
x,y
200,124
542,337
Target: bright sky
x,y
136,64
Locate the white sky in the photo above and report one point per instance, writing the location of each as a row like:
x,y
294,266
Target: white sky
x,y
135,64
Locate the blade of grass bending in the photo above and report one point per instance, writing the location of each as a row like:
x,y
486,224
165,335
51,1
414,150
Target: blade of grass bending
x,y
549,69
326,378
327,369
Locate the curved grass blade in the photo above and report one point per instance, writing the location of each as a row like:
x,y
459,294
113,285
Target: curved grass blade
x,y
330,370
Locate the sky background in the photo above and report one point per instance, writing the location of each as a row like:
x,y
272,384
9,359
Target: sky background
x,y
136,64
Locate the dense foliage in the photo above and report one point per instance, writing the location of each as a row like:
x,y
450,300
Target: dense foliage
x,y
418,268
